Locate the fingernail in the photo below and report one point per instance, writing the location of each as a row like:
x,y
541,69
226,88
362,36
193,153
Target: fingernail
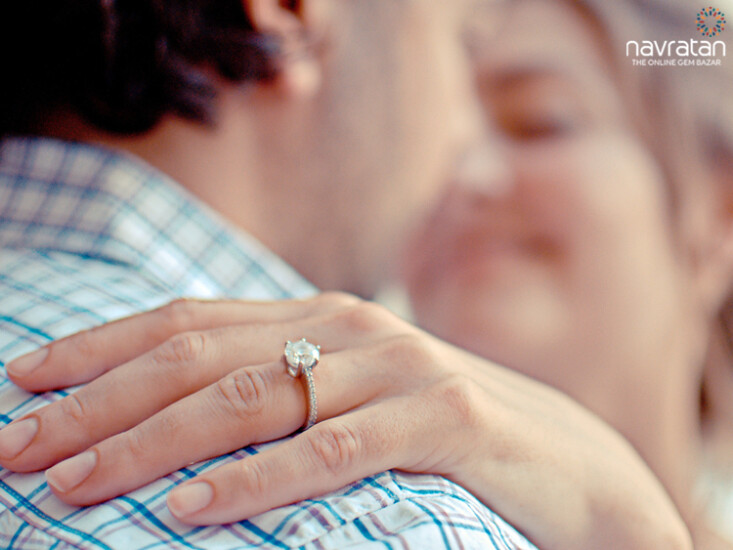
x,y
25,364
189,499
17,436
71,472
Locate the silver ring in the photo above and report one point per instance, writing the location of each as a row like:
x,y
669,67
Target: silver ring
x,y
301,358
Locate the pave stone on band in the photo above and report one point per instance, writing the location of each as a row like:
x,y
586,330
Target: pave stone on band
x,y
301,358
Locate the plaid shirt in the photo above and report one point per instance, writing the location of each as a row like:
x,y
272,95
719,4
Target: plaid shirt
x,y
86,236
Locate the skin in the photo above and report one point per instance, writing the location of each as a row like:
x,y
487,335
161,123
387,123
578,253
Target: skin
x,y
363,162
571,274
321,155
442,411
390,395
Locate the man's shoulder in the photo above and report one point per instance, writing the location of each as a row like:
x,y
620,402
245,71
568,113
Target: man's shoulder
x,y
45,295
48,295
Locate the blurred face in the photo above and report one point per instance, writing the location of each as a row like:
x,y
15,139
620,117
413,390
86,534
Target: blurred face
x,y
359,165
567,270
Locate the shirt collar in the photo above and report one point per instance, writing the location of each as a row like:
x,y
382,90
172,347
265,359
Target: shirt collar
x,y
86,200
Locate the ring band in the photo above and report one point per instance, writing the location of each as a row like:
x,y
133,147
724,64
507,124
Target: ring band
x,y
312,401
301,358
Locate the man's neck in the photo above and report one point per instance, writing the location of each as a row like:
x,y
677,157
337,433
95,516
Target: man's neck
x,y
214,163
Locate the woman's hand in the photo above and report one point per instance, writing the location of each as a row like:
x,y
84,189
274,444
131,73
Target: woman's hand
x,y
194,380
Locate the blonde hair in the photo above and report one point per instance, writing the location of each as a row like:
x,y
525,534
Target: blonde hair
x,y
685,116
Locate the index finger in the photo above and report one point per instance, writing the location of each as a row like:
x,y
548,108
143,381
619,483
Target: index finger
x,y
87,355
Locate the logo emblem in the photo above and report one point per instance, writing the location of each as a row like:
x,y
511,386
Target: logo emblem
x,y
710,22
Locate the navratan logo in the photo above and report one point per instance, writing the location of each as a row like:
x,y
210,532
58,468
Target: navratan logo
x,y
683,53
710,22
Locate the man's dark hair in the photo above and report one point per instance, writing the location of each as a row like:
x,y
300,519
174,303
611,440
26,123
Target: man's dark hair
x,y
123,64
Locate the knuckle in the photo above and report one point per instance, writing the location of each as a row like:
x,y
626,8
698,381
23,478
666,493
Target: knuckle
x,y
335,300
87,343
253,478
243,392
335,446
462,399
188,347
180,314
75,408
134,446
412,352
365,317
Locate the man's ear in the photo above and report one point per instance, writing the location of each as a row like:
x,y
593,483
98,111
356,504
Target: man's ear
x,y
298,26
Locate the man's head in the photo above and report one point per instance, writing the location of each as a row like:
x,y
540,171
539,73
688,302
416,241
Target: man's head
x,y
323,127
123,64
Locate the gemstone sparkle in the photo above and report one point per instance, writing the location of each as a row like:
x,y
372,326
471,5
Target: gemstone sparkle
x,y
301,354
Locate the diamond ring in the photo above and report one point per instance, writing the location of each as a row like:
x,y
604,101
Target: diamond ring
x,y
301,358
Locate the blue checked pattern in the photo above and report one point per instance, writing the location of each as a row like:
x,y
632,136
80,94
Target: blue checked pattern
x,y
87,236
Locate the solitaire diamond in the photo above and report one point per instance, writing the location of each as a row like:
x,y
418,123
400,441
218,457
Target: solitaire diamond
x,y
301,354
